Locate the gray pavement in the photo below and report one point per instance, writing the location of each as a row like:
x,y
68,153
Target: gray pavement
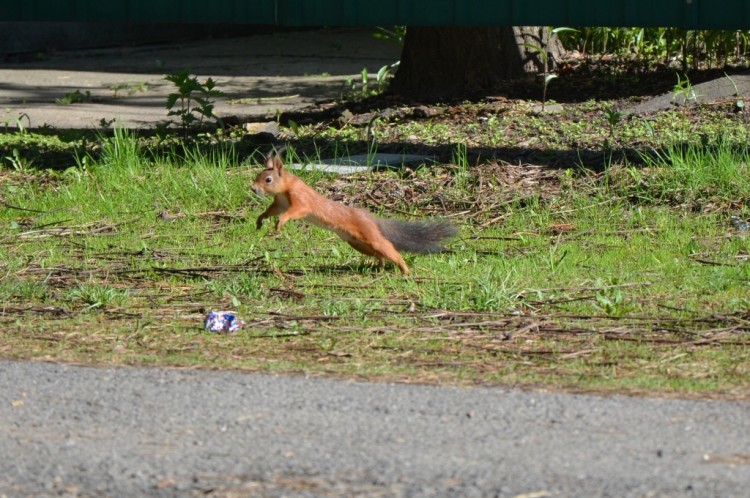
x,y
261,75
82,431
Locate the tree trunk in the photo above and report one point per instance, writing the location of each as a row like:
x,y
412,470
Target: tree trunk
x,y
440,62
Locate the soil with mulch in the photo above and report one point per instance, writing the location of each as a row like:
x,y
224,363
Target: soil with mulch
x,y
632,90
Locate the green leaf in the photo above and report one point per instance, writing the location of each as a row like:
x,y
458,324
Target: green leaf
x,y
171,100
563,29
382,73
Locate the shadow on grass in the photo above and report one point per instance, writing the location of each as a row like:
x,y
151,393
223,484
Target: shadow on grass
x,y
57,150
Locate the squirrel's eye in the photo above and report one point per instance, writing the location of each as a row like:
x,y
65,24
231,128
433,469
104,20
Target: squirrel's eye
x,y
269,179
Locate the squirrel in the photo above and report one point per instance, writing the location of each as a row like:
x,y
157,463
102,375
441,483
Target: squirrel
x,y
378,237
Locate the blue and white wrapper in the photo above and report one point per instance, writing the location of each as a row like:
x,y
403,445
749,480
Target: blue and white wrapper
x,y
223,322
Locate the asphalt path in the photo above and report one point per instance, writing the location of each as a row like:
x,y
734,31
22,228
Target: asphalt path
x,y
83,431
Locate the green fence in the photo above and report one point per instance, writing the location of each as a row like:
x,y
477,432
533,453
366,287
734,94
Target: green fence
x,y
689,14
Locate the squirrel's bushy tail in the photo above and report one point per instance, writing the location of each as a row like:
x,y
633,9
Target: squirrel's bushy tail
x,y
416,236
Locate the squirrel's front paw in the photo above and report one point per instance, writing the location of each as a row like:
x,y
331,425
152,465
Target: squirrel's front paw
x,y
259,223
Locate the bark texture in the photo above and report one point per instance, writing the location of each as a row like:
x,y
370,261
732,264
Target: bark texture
x,y
440,62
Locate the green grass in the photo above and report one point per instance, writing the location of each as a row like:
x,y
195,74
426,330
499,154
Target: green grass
x,y
722,173
597,282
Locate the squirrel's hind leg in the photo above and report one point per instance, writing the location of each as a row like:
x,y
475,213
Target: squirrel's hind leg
x,y
383,251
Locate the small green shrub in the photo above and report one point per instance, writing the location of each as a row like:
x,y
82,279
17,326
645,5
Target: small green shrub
x,y
75,97
193,97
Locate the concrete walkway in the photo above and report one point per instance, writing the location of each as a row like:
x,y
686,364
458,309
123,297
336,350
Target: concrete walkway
x,y
260,75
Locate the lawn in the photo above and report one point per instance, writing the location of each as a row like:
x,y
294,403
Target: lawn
x,y
594,254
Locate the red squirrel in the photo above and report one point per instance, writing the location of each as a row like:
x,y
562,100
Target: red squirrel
x,y
372,236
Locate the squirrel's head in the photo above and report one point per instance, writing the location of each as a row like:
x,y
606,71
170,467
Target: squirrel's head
x,y
270,181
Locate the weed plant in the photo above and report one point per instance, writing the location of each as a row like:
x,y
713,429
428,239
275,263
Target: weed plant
x,y
693,48
194,98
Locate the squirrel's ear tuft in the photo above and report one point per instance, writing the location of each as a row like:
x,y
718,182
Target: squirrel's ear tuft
x,y
273,160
